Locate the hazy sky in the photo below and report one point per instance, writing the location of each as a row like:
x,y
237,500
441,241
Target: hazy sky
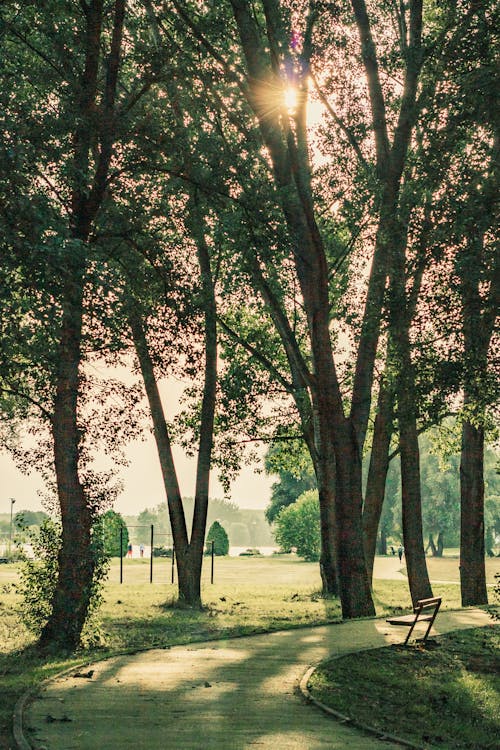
x,y
143,486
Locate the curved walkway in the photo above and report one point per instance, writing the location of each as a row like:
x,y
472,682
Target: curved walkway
x,y
238,694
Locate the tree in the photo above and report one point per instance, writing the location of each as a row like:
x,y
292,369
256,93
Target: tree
x,y
297,526
68,57
217,535
113,528
463,236
296,475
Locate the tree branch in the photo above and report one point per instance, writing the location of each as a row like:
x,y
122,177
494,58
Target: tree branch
x,y
265,362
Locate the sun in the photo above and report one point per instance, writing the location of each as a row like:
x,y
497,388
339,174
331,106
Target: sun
x,y
290,97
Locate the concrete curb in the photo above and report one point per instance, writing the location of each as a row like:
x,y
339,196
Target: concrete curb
x,y
17,717
342,718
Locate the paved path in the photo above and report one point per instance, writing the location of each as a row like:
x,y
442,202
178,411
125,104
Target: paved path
x,y
238,694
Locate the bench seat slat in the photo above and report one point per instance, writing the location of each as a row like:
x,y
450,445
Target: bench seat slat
x,y
409,619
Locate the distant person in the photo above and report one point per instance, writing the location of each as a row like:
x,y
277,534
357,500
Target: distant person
x,y
129,550
141,550
400,552
393,551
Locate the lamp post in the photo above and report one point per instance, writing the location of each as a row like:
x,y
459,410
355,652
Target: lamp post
x,y
12,501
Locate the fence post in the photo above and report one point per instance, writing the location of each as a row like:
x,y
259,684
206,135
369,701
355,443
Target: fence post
x,y
151,558
121,554
173,563
212,569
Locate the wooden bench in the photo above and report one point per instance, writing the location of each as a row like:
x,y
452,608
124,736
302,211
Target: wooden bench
x,y
425,610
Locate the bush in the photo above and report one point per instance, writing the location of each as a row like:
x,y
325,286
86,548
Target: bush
x,y
218,535
163,552
251,552
298,526
38,579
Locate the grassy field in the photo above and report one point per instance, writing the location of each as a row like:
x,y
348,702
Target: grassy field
x,y
249,595
446,695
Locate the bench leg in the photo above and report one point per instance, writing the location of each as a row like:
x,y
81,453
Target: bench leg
x,y
431,623
410,632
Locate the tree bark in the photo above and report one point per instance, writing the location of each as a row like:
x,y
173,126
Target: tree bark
x,y
191,591
71,599
472,548
440,545
377,474
189,551
188,571
431,546
291,170
418,577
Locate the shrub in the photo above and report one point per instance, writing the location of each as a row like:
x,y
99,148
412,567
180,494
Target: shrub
x,y
38,579
218,535
298,526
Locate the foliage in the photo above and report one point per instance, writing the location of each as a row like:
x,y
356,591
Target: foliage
x,y
292,462
298,526
110,524
38,577
29,518
217,534
38,580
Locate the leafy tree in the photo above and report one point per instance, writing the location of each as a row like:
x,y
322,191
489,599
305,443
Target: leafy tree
x,y
67,58
297,526
112,526
217,535
293,465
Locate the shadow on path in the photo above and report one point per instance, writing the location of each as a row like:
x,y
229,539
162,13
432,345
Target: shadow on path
x,y
223,695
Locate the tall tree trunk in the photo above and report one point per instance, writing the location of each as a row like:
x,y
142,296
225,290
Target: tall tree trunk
x,y
472,561
353,579
189,551
431,546
440,545
416,565
325,480
377,474
163,445
191,591
70,602
75,562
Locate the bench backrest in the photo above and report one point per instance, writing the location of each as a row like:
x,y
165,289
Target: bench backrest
x,y
434,601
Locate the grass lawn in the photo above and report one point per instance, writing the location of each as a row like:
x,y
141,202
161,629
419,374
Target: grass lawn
x,y
248,595
446,695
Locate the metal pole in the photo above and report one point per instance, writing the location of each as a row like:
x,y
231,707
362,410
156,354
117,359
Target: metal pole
x,y
121,554
151,558
12,501
173,563
212,569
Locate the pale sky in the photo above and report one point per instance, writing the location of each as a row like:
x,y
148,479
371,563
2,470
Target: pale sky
x,y
143,486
